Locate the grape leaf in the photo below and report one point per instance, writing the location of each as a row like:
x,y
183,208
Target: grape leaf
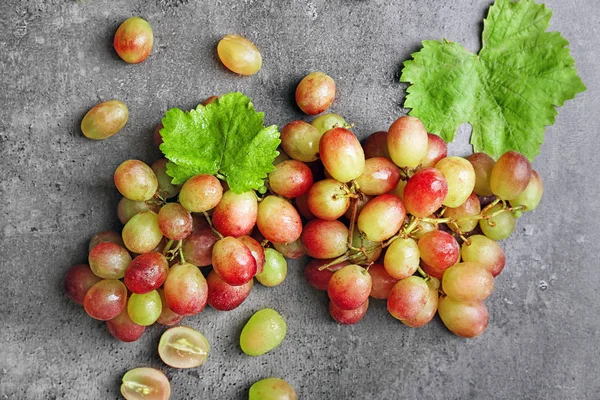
x,y
507,92
226,137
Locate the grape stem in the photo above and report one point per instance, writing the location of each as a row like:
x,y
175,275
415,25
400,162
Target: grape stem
x,y
167,247
211,224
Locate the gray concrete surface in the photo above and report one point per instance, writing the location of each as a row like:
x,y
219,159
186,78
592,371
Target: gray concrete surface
x,y
57,61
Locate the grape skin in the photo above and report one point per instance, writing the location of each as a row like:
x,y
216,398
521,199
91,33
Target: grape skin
x,y
349,287
185,289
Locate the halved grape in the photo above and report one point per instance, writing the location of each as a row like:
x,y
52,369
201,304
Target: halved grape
x,y
275,269
183,347
236,213
263,332
124,329
201,193
348,317
144,309
142,233
109,260
315,93
272,389
239,55
349,287
135,180
78,280
407,141
342,154
145,384
105,299
223,296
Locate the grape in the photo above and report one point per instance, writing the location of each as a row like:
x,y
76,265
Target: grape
x,y
291,179
144,309
372,250
320,279
167,316
165,187
315,93
105,299
293,249
175,222
126,209
264,331
382,282
425,192
460,176
147,272
348,317
197,247
376,145
427,313
109,260
124,329
341,154
239,55
278,221
78,280
469,208
482,165
408,297
468,281
300,140
142,233
275,269
134,40
257,251
328,199
156,137
301,203
145,384
325,122
200,193
439,250
510,175
382,217
185,289
233,261
402,258
498,227
407,142
463,318
484,251
272,389
380,176
424,227
224,297
199,222
436,150
135,180
183,347
531,196
104,120
105,236
324,239
432,272
235,215
349,287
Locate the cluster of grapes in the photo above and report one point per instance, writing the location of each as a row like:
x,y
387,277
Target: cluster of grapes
x,y
421,227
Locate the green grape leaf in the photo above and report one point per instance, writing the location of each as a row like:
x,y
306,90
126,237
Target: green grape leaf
x,y
508,92
227,138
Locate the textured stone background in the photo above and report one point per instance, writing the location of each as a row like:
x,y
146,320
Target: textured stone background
x,y
57,61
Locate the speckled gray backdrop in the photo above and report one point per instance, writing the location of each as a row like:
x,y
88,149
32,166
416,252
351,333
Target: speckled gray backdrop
x,y
57,61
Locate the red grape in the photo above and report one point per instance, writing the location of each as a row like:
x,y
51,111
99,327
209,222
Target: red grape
x,y
315,93
291,179
78,281
200,193
225,297
348,317
235,215
109,260
425,192
174,221
124,329
382,282
278,221
408,297
134,40
349,287
233,261
439,249
379,177
147,272
197,247
185,289
325,239
105,299
319,279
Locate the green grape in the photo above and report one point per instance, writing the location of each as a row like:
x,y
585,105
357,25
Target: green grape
x,y
183,347
264,331
135,180
126,208
275,269
531,196
463,318
460,176
141,234
272,389
469,208
402,258
382,217
510,175
341,154
300,140
109,260
104,120
372,249
325,122
500,226
144,309
239,55
485,251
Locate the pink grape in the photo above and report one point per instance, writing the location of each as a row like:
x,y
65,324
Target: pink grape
x,y
78,280
471,207
485,251
291,179
236,213
109,260
376,145
379,176
126,208
341,154
402,258
225,297
349,287
300,140
200,193
482,165
105,299
233,261
257,251
328,199
408,297
106,236
278,221
174,221
142,233
165,188
293,249
439,249
348,317
185,289
147,272
460,175
427,313
319,279
370,249
407,142
532,195
468,281
382,217
425,192
382,282
302,207
135,180
197,247
167,316
325,239
436,150
510,175
124,329
315,93
463,318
